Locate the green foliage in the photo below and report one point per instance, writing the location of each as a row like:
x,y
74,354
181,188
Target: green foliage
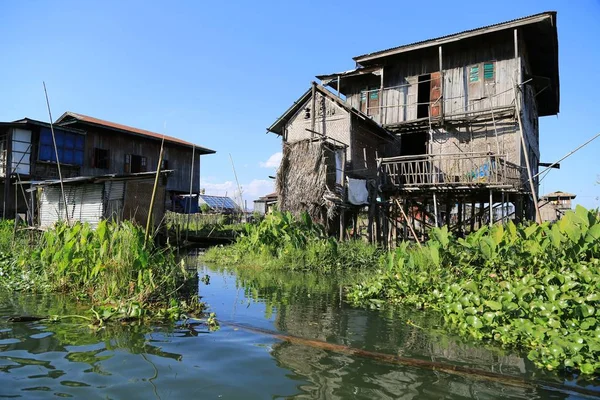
x,y
215,225
531,286
110,265
282,241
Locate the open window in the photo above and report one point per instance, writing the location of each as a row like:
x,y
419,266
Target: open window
x,y
369,100
101,158
135,163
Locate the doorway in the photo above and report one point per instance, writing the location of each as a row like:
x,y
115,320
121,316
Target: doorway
x,y
423,95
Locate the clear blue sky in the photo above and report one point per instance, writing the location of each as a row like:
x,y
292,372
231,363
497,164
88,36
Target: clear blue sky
x,y
218,73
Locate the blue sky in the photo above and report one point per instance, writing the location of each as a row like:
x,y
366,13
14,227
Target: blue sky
x,y
219,73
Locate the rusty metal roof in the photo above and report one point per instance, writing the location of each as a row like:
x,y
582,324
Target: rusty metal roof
x,y
71,118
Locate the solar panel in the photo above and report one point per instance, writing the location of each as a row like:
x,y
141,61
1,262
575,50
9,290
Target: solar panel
x,y
219,202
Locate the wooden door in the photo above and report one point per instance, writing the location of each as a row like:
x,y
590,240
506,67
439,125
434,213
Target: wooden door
x,y
436,94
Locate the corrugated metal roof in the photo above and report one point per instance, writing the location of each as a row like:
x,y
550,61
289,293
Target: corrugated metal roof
x,y
559,194
97,178
455,36
128,129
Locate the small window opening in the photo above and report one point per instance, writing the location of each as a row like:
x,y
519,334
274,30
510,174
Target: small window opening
x,y
101,158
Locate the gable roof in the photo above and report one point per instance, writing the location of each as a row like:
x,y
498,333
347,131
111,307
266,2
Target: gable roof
x,y
25,122
514,23
558,193
73,118
279,124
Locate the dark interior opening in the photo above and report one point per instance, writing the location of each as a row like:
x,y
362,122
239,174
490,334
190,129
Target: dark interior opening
x,y
136,164
423,95
414,144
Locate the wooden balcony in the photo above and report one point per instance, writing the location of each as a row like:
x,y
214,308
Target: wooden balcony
x,y
450,171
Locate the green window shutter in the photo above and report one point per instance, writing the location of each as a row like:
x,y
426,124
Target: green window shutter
x,y
474,73
488,71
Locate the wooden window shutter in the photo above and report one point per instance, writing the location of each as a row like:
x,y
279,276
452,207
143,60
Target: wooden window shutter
x,y
474,74
127,165
488,71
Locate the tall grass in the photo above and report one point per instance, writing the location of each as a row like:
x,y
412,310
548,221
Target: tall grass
x,y
109,265
282,241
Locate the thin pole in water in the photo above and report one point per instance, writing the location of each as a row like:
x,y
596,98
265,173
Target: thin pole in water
x,y
62,188
189,208
148,222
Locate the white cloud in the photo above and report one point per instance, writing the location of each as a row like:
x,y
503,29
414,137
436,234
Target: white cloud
x,y
250,191
273,161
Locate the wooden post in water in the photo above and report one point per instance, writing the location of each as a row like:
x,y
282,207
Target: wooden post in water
x,y
187,224
149,221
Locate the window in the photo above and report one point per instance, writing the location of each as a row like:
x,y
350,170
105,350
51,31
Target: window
x,y
134,163
101,158
69,146
474,74
164,164
369,100
488,71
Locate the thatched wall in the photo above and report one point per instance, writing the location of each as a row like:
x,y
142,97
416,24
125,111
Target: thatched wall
x,y
306,180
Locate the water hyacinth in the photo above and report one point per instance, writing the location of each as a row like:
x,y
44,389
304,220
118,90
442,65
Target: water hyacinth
x,y
534,286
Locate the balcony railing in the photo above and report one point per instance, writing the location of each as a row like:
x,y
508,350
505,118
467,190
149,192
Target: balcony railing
x,y
450,170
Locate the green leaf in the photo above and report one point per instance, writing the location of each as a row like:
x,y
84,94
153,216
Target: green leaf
x,y
494,305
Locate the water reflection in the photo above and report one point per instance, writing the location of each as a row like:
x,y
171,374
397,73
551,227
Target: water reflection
x,y
311,306
42,360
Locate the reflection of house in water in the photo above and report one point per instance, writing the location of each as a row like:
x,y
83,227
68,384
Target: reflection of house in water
x,y
554,205
451,120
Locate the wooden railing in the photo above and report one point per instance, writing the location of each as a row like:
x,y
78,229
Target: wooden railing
x,y
459,169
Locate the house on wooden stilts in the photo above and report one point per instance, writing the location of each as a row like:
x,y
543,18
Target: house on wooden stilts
x,y
463,110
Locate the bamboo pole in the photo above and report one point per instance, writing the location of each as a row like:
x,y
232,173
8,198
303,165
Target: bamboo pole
x,y
62,188
409,225
149,221
451,369
187,225
526,154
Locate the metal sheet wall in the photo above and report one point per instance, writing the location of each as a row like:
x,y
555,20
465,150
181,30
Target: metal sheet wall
x,y
84,203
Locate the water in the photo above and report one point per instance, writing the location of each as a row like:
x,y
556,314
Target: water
x,y
49,360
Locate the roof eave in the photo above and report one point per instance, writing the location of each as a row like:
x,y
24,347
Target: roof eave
x,y
368,57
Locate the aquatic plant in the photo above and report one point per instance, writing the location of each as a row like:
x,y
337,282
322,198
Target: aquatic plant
x,y
282,241
110,266
532,286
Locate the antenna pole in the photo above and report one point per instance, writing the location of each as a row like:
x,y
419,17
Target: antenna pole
x,y
237,182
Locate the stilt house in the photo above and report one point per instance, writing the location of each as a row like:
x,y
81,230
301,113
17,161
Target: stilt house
x,y
455,121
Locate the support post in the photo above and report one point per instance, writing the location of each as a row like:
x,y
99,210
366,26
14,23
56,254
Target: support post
x,y
472,221
156,178
435,210
189,210
313,112
460,218
491,208
7,174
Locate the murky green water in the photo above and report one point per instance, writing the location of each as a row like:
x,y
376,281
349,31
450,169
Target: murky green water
x,y
73,360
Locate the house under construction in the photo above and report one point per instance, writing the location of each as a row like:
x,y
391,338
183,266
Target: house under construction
x,y
443,131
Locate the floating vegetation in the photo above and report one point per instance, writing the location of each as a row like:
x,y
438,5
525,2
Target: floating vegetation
x,y
110,266
532,286
282,241
536,287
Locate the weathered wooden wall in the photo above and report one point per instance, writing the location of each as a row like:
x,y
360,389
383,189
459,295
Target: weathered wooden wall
x,y
334,122
179,157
